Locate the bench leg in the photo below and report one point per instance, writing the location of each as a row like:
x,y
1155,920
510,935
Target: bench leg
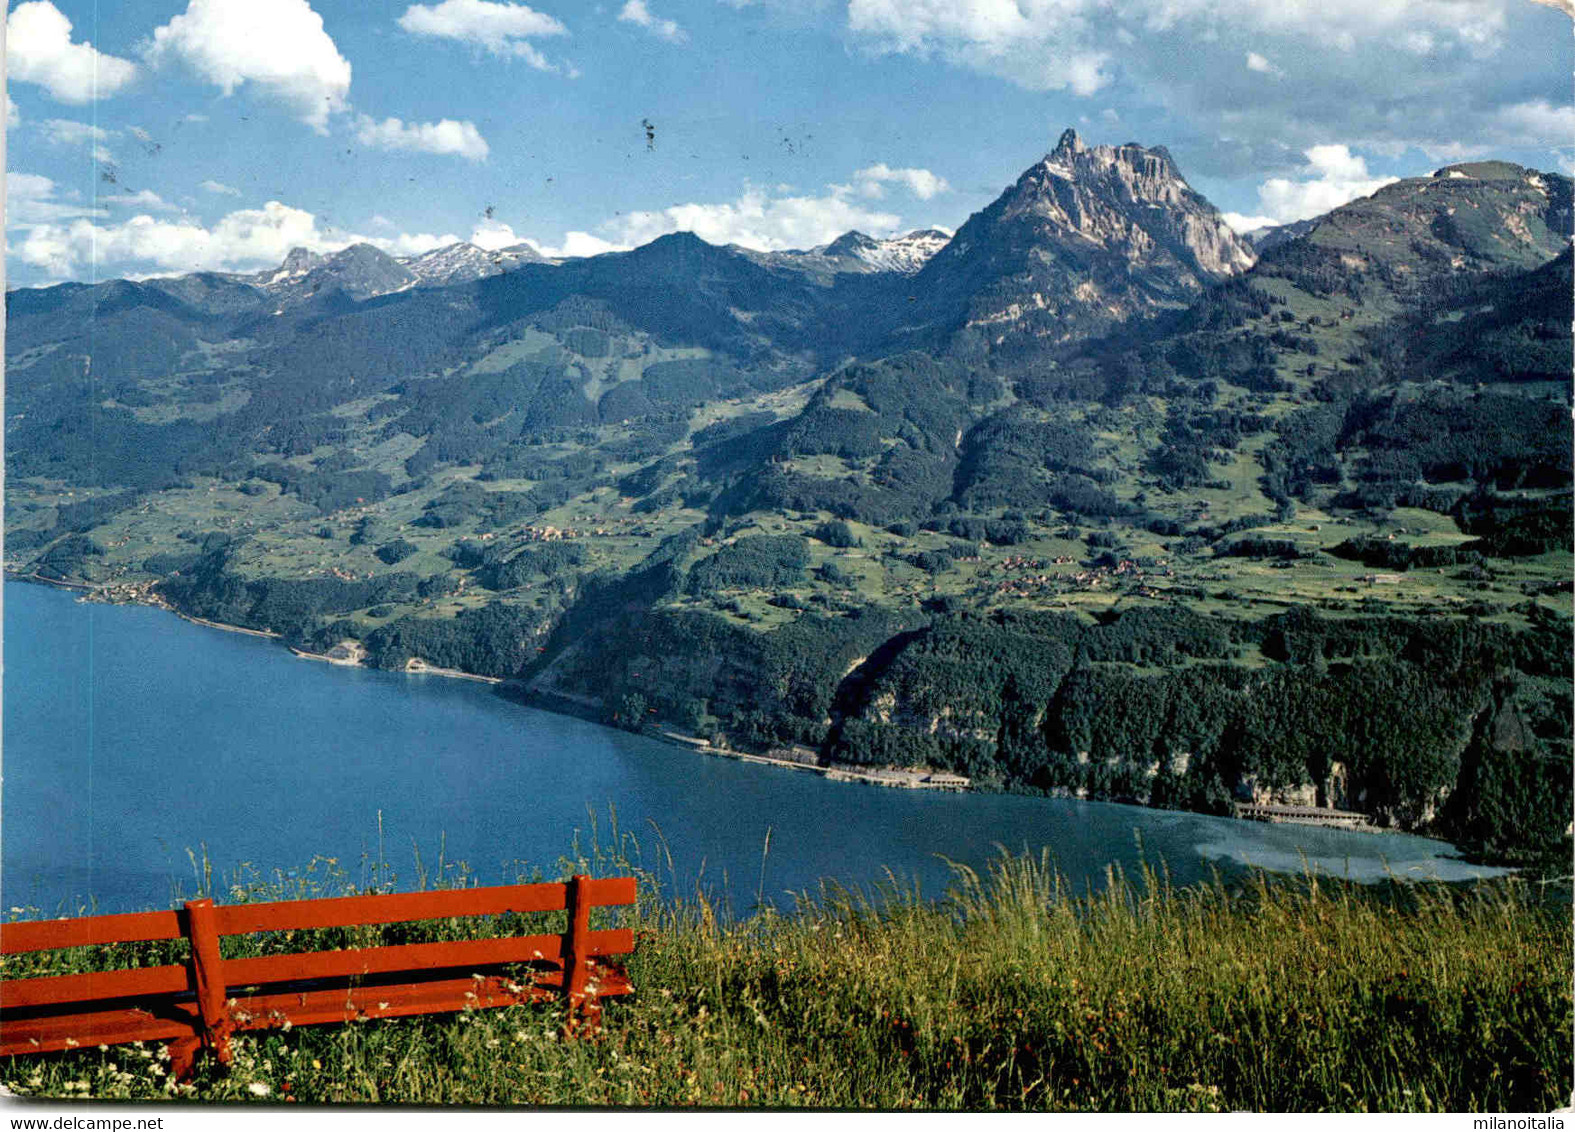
x,y
183,1057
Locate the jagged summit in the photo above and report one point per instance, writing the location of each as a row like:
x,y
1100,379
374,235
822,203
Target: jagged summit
x,y
905,254
1086,237
464,262
296,264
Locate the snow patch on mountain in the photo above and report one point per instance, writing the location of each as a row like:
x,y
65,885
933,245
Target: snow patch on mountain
x,y
464,262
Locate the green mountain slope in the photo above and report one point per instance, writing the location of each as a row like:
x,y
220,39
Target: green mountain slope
x,y
1093,502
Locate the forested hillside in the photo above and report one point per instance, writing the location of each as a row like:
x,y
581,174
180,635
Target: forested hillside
x,y
1095,499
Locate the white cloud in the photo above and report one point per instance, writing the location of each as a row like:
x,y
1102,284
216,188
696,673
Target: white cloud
x,y
1538,122
247,238
142,198
33,199
1038,44
62,239
38,49
490,235
219,188
1343,24
409,243
502,29
444,137
64,131
13,116
636,12
279,45
1240,223
68,133
1074,44
755,220
1262,66
577,245
1450,151
1341,176
920,182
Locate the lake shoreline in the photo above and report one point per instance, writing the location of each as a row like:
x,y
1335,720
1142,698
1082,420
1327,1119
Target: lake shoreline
x,y
552,700
546,699
278,764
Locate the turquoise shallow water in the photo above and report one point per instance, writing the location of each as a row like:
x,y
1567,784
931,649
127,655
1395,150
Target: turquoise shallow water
x,y
131,737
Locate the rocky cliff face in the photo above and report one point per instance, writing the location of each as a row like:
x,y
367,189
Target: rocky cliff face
x,y
1085,238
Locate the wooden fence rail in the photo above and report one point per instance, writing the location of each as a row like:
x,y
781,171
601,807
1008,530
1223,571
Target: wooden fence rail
x,y
198,1004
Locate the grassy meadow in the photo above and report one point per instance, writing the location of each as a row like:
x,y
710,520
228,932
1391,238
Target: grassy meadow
x,y
1011,993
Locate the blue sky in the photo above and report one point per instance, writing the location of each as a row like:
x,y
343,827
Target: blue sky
x,y
157,137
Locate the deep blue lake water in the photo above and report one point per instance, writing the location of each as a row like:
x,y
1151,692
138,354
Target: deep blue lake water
x,y
131,736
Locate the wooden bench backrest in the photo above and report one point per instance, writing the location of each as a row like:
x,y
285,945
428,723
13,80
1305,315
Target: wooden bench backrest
x,y
207,998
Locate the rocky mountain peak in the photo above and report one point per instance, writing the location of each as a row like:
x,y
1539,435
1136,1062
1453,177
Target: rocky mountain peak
x,y
851,244
300,260
1086,237
361,271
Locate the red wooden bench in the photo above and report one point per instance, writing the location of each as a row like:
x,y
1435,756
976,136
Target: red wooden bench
x,y
198,1004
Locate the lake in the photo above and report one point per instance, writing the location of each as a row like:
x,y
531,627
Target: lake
x,y
134,740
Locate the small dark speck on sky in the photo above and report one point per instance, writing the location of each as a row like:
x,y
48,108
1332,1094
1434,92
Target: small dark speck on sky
x,y
489,211
650,133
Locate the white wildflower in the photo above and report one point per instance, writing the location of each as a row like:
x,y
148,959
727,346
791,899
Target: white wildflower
x,y
258,1089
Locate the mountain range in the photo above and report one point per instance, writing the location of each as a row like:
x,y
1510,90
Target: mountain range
x,y
1093,496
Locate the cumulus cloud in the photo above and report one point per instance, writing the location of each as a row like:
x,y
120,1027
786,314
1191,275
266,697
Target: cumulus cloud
x,y
755,220
501,29
280,46
774,219
220,188
873,179
636,12
247,238
61,237
1038,44
578,244
409,243
38,49
1339,176
445,137
490,235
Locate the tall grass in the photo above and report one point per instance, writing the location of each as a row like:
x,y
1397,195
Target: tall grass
x,y
1012,992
